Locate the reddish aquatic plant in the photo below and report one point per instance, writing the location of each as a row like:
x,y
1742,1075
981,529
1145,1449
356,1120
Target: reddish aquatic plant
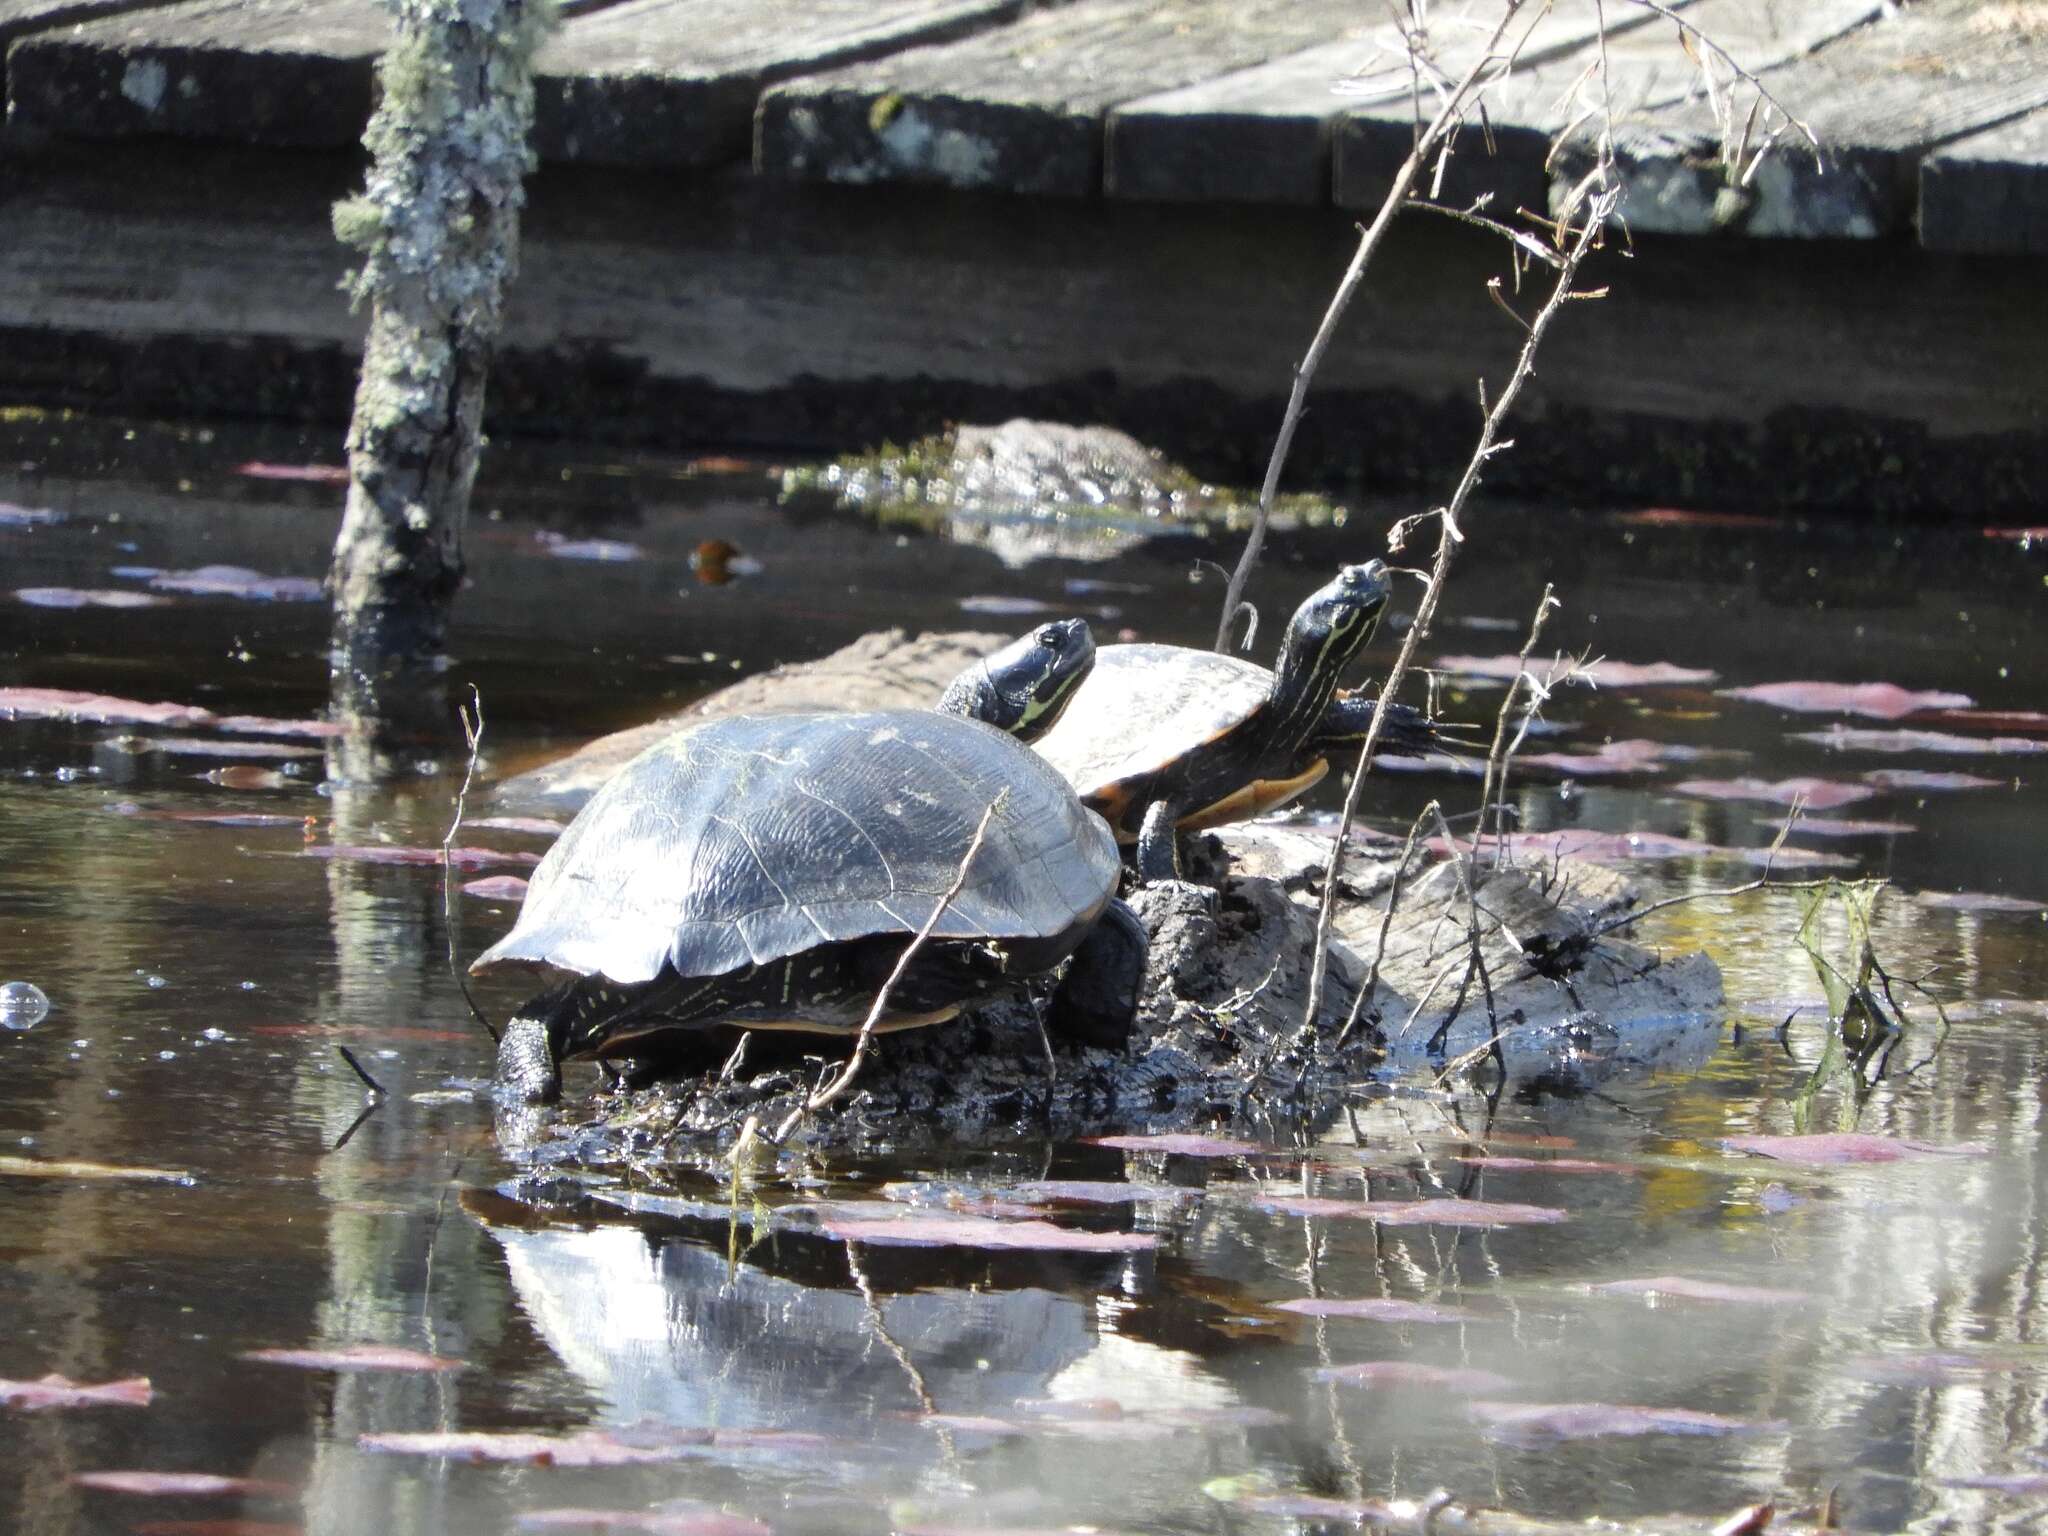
x,y
1879,701
1819,794
356,1357
55,1391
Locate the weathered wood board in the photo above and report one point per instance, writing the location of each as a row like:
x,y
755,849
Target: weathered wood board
x,y
674,82
1879,99
1650,74
1262,135
1021,109
1988,192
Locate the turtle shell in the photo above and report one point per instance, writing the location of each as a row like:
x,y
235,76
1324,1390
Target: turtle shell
x,y
1145,708
750,838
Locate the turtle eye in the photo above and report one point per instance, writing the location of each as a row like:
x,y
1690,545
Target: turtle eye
x,y
1049,637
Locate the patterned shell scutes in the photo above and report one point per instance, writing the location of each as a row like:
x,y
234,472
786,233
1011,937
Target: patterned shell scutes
x,y
1145,706
747,839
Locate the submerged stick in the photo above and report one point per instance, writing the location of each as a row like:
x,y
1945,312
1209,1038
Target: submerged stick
x,y
819,1097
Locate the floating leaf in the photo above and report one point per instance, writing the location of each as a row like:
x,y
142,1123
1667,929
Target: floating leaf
x,y
1378,1309
203,746
983,1232
539,826
1819,794
1927,1368
355,1357
1879,701
1254,1493
1005,606
392,853
1544,1164
1180,1145
1098,1192
247,776
1603,673
89,597
1540,1423
1415,1213
1680,1288
1825,826
1847,1147
666,1521
38,1168
1917,778
1682,517
180,1485
1849,738
264,725
1395,1374
496,888
70,704
1612,757
1994,719
55,1391
606,550
312,474
591,1448
12,516
212,818
1977,901
239,581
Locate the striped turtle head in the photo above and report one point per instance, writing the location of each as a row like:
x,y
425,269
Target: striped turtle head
x,y
1023,687
1327,630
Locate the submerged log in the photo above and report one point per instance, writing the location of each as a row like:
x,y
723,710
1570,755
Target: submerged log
x,y
1218,1033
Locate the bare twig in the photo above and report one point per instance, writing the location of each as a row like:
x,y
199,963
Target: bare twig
x,y
472,716
1369,240
1694,35
1379,954
357,1067
1496,757
828,1092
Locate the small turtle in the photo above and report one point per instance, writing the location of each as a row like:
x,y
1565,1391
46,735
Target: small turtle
x,y
766,872
1163,738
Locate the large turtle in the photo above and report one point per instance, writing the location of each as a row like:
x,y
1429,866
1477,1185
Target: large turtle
x,y
1162,738
768,871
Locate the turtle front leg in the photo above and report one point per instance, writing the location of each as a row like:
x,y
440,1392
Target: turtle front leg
x,y
1097,1000
528,1070
1158,844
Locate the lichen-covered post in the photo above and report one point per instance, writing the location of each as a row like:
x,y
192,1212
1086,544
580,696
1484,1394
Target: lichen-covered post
x,y
438,227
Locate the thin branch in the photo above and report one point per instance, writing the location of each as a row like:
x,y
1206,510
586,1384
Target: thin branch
x,y
1688,30
473,734
827,1093
357,1067
1496,757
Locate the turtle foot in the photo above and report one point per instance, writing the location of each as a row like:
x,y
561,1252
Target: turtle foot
x,y
1096,1001
526,1071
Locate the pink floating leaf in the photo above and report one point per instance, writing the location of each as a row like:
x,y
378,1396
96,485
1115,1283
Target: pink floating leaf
x,y
1182,1145
263,725
180,1485
669,1520
1378,1309
608,550
89,597
1680,517
1395,1374
70,704
1819,794
55,1391
312,474
983,1232
356,1357
1545,1164
382,853
1416,1213
591,1448
238,581
1612,757
1826,826
1848,738
1879,701
1603,673
1977,901
1916,778
203,746
496,888
1847,1147
539,826
1098,1192
1540,1423
2018,535
1681,1288
1994,719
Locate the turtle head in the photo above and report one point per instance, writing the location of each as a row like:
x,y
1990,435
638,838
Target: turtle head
x,y
1023,687
1327,630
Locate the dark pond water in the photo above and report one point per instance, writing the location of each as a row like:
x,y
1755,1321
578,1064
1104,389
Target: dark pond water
x,y
202,976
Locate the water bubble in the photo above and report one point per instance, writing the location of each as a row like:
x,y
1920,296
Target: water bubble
x,y
157,981
387,1055
248,986
213,1033
166,1055
23,1005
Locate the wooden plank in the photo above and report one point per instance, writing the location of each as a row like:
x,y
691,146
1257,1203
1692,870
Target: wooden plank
x,y
287,72
1650,76
1988,192
674,82
18,18
1021,110
1262,135
1879,99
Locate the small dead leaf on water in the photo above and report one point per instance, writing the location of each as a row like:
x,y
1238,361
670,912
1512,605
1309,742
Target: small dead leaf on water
x,y
496,888
1848,1147
89,597
356,1357
1532,1424
1877,701
1681,1288
70,704
180,1485
55,1391
1817,794
716,562
1923,778
247,776
44,1168
310,474
1180,1144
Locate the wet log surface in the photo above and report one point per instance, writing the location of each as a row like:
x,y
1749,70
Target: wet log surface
x,y
1215,1039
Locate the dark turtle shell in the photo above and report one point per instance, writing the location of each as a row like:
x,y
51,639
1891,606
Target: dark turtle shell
x,y
1145,709
748,839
